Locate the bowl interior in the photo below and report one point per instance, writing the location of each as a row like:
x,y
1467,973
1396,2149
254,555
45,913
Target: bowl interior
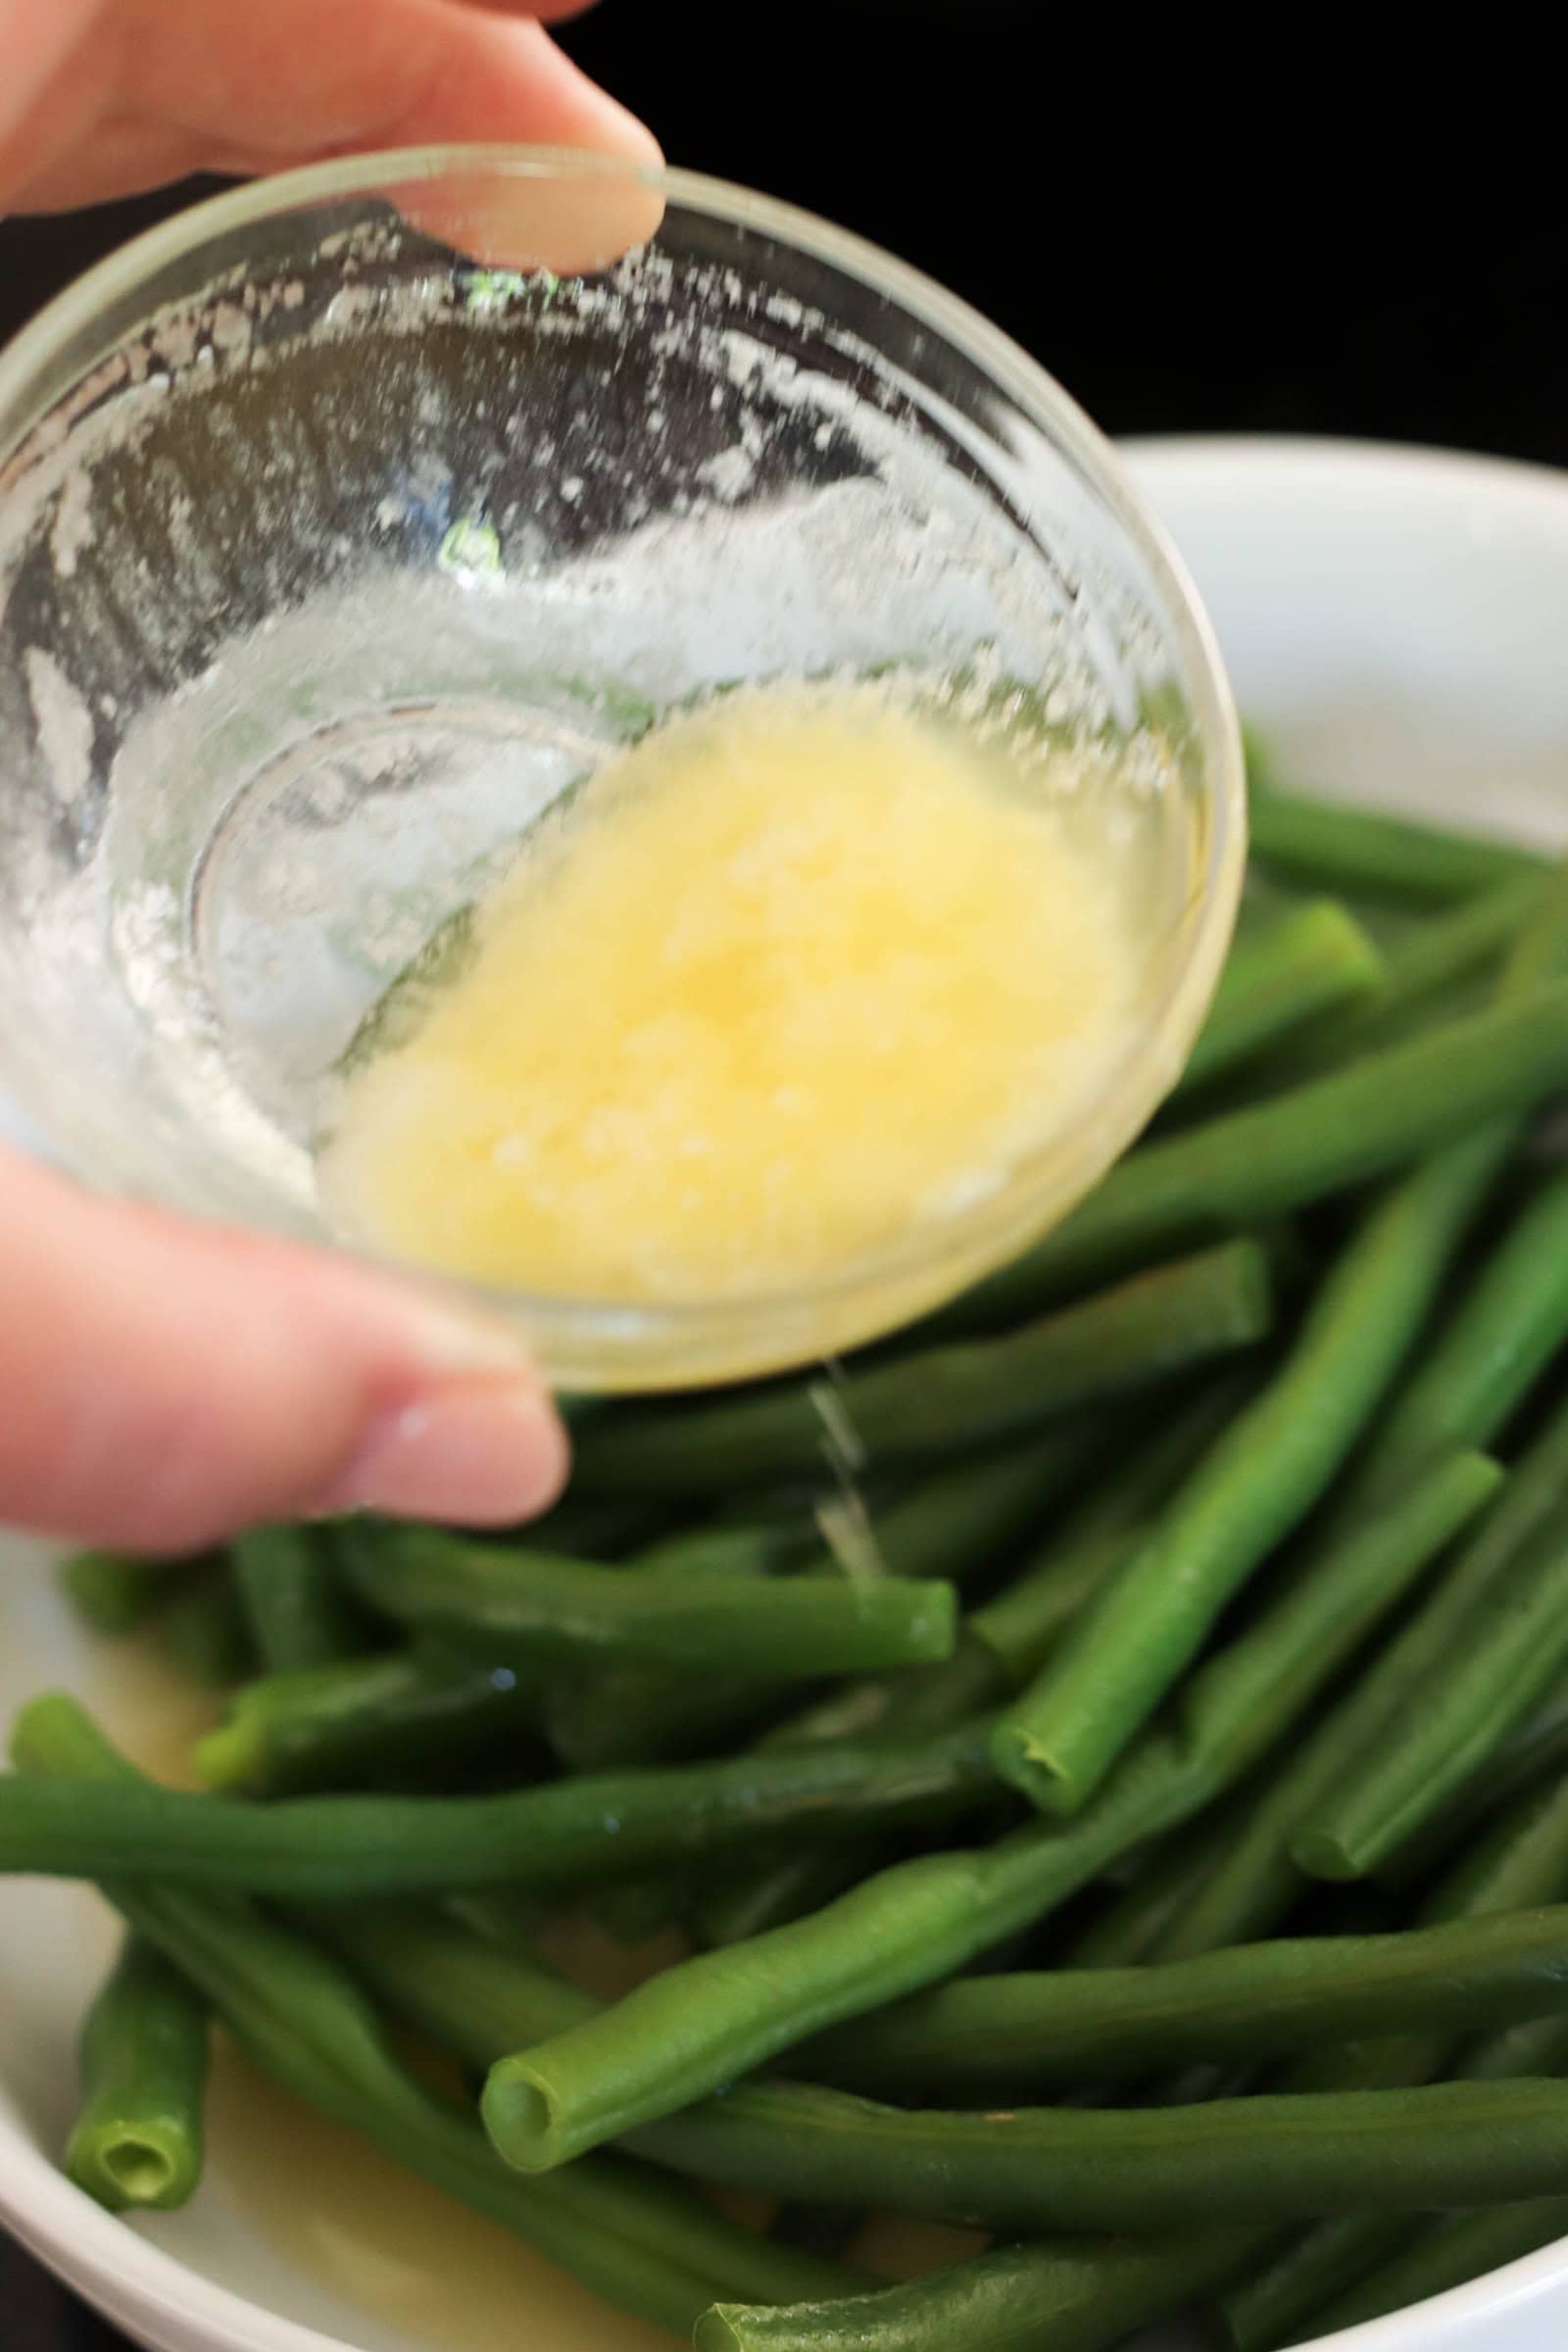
x,y
332,557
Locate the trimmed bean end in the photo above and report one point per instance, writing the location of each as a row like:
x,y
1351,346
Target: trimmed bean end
x,y
131,2171
1322,1856
520,2119
1022,1762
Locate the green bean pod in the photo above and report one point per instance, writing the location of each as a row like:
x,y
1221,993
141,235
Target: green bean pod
x,y
1004,1640
1430,975
986,2039
535,1611
1441,2255
205,1635
642,2242
1061,2295
1333,845
1256,2159
137,2139
1520,1862
1249,1491
323,1726
116,1592
296,1612
1506,1654
615,1824
709,2019
1315,961
942,1400
952,1525
1382,1112
1254,1882
1510,1324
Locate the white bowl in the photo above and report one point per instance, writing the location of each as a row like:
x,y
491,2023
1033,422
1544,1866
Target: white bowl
x,y
1394,620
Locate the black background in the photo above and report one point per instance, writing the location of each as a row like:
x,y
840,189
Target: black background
x,y
1186,253
1182,265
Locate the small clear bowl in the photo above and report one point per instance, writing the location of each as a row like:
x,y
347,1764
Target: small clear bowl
x,y
349,519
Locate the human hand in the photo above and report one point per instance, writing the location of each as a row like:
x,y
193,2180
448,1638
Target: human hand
x,y
102,98
166,1383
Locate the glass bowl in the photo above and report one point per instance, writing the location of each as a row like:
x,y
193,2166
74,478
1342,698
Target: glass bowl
x,y
349,519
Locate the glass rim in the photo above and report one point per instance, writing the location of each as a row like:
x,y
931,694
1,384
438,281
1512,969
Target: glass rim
x,y
1023,1207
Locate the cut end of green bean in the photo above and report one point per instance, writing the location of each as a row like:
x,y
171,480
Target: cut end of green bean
x,y
723,2328
1322,1855
1030,1768
129,2173
521,2120
233,1755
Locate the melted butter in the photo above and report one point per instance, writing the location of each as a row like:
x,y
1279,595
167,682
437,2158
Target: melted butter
x,y
799,972
397,2249
150,1709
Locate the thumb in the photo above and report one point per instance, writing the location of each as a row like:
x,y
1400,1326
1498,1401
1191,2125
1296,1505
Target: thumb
x,y
167,1384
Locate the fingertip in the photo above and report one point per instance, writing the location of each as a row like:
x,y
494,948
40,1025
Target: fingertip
x,y
530,92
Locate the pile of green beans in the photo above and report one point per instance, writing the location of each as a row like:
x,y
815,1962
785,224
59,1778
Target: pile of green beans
x,y
976,1721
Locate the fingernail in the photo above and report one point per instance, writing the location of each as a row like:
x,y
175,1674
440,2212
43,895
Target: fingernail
x,y
480,1453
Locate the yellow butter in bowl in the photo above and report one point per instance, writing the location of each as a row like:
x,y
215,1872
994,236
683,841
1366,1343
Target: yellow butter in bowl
x,y
803,969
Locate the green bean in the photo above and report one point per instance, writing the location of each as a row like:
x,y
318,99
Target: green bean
x,y
1521,1862
1258,2159
1509,1325
952,1525
1506,1654
1333,845
985,2038
204,1635
1320,1138
1063,2295
1430,975
476,1998
1304,2270
628,1718
711,2019
645,2244
737,1548
958,1522
1535,1749
1007,1636
633,1715
1020,1624
137,2139
1006,1639
1441,2255
1129,1923
343,1846
1255,1883
324,1725
473,1999
1317,960
296,1614
751,1900
529,1608
115,1592
604,1526
942,1399
1251,1489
